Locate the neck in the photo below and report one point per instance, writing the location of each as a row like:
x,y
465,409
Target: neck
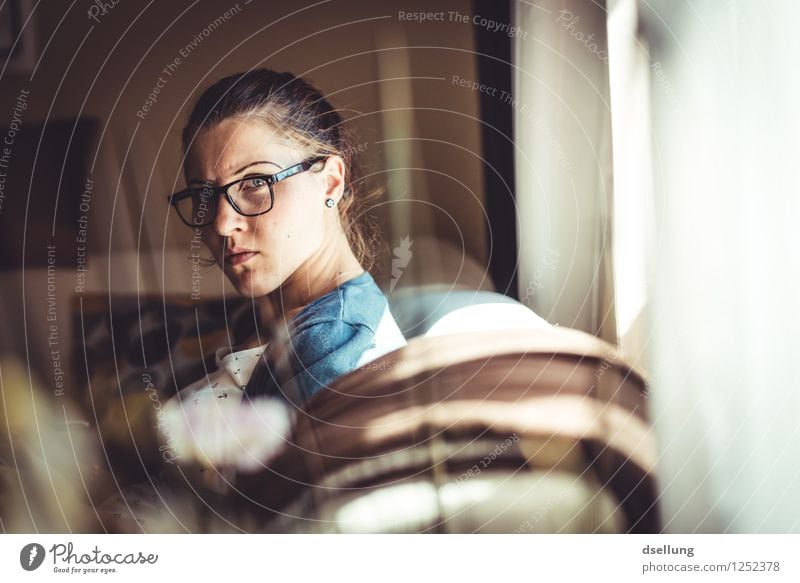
x,y
332,266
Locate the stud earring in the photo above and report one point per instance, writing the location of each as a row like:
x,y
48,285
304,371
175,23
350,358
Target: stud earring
x,y
329,202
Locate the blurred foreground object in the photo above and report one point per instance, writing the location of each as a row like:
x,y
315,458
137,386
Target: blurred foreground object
x,y
527,428
49,462
523,431
225,433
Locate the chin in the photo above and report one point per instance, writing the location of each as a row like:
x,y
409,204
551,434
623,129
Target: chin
x,y
250,286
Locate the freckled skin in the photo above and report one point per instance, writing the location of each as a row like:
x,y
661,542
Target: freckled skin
x,y
283,275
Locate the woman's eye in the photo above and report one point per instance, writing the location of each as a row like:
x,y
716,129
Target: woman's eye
x,y
255,183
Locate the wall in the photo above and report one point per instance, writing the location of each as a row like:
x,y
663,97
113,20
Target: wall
x,y
391,77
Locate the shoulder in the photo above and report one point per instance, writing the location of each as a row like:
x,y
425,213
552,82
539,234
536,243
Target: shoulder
x,y
320,353
354,319
356,303
323,338
331,335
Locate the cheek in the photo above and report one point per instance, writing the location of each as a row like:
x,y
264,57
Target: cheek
x,y
266,231
296,227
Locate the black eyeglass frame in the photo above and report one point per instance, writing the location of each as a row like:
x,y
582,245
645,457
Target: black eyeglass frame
x,y
215,191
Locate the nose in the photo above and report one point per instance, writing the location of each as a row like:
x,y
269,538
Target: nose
x,y
227,219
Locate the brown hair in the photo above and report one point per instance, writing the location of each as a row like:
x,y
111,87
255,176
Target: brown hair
x,y
303,115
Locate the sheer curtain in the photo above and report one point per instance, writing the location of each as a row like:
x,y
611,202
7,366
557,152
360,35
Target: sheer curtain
x,y
701,232
726,271
562,137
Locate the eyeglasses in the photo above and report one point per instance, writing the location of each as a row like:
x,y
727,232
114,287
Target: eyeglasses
x,y
249,196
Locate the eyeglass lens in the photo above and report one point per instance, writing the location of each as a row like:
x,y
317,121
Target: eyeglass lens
x,y
251,196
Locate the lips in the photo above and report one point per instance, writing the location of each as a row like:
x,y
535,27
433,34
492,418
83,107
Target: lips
x,y
239,255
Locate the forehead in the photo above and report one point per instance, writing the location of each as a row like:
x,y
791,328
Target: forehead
x,y
222,149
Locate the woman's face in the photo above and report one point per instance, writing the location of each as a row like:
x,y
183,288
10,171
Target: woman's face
x,y
258,254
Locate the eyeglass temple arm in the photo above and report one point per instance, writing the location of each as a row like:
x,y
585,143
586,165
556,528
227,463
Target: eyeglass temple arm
x,y
296,169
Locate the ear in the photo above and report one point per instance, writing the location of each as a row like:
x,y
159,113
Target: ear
x,y
334,172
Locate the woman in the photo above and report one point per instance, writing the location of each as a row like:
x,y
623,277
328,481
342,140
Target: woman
x,y
274,192
273,188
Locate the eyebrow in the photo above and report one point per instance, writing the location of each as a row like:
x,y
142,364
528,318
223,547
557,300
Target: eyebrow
x,y
243,168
